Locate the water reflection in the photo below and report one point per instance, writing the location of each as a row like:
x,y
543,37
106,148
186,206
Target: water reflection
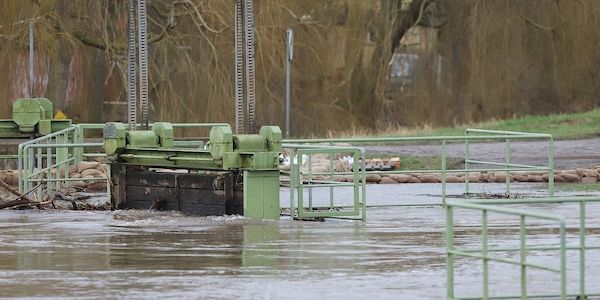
x,y
261,247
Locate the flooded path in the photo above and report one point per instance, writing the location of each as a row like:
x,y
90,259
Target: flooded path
x,y
397,254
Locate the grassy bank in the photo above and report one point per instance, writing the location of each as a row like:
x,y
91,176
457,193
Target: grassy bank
x,y
410,162
561,126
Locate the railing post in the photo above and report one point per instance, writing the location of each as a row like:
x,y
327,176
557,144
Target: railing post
x,y
293,158
108,183
507,159
563,262
582,249
49,184
31,168
484,253
467,162
40,175
300,186
62,171
60,159
523,257
551,167
78,138
331,170
449,254
21,166
363,179
310,178
444,154
356,182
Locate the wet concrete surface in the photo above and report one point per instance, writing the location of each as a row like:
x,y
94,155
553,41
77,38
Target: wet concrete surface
x,y
568,154
397,254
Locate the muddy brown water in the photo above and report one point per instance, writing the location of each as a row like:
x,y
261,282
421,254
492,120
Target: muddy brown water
x,y
397,254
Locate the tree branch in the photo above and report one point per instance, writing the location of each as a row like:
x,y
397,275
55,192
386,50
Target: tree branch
x,y
411,18
88,40
538,26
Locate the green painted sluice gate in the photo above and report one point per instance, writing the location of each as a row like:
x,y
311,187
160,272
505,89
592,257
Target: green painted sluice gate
x,y
235,174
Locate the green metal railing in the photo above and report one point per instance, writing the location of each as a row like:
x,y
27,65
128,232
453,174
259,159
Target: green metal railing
x,y
45,161
508,165
485,252
302,182
470,135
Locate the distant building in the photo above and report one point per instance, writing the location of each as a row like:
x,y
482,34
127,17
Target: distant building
x,y
415,55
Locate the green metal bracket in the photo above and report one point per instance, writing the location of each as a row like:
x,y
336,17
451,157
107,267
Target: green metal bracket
x,y
115,137
27,113
164,132
31,117
273,136
221,141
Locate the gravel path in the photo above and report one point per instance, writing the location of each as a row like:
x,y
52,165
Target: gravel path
x,y
568,154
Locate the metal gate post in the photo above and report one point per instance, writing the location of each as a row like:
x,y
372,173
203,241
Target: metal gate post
x,y
261,194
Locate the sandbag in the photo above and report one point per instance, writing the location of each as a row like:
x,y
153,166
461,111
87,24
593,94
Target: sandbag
x,y
85,165
454,179
535,178
96,187
520,178
569,177
373,178
401,178
414,179
429,179
91,172
475,178
387,180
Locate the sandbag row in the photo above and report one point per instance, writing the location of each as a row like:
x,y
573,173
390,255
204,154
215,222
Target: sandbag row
x,y
11,177
85,170
88,170
572,176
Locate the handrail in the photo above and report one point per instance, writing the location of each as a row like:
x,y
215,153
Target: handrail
x,y
504,136
298,183
495,205
504,132
452,252
415,139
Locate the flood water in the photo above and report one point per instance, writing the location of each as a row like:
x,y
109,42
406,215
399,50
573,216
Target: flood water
x,y
397,254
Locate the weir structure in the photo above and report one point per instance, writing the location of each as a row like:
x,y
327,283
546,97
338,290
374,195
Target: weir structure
x,y
236,173
253,157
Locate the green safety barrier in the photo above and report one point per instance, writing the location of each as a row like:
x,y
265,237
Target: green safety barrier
x,y
301,181
487,253
44,161
469,136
